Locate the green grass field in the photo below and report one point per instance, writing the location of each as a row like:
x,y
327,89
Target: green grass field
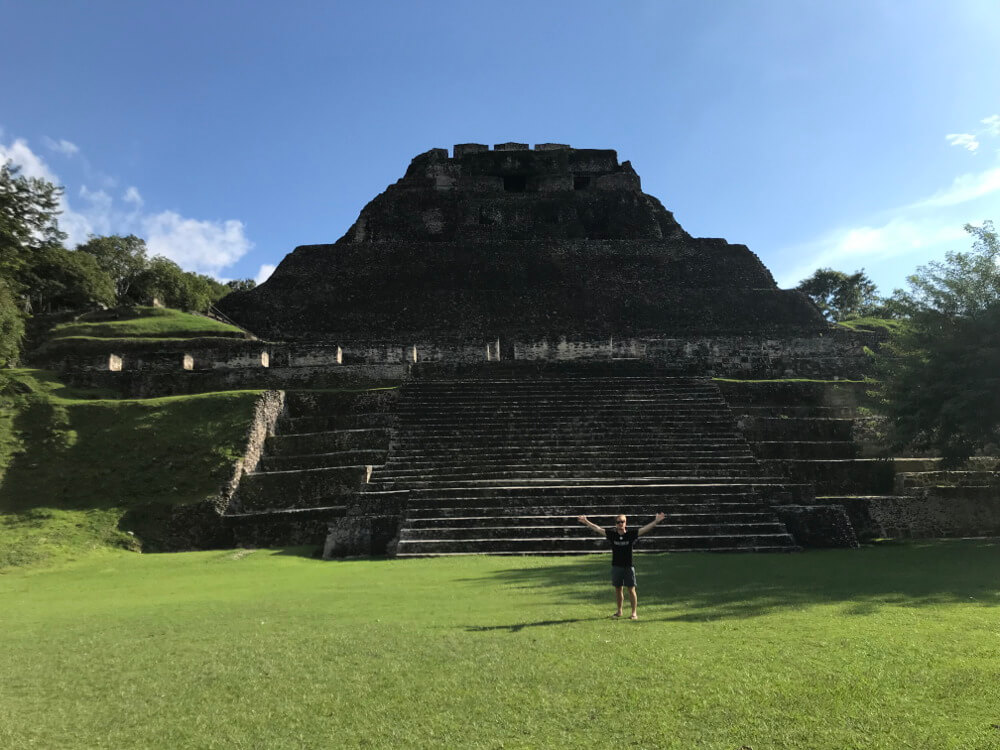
x,y
895,646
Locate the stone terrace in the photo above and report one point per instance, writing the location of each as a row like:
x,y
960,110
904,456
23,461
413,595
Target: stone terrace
x,y
504,466
323,453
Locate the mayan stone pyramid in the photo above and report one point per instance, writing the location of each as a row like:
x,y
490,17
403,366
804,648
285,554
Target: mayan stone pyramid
x,y
523,244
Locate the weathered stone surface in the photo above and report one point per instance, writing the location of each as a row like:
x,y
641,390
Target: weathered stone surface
x,y
519,244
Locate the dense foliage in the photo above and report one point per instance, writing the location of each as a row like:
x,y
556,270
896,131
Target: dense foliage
x,y
39,274
841,296
941,373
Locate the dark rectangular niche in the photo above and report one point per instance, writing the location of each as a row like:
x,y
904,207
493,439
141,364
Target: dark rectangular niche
x,y
515,183
581,181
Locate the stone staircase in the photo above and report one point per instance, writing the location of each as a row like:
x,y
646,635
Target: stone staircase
x,y
505,466
325,448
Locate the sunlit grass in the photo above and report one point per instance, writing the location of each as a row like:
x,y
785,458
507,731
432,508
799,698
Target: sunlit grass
x,y
149,322
885,647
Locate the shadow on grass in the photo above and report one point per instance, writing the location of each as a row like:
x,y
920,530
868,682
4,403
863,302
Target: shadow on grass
x,y
518,627
697,587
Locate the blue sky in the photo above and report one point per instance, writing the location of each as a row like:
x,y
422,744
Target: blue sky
x,y
849,133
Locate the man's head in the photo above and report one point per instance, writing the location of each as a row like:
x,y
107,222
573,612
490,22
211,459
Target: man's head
x,y
620,523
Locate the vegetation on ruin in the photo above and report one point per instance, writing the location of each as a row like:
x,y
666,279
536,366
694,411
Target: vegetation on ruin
x,y
146,322
886,647
938,374
74,463
38,274
841,296
872,324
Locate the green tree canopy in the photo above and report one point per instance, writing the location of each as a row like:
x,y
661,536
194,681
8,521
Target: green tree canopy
x,y
174,287
122,258
11,326
841,296
29,207
941,375
61,279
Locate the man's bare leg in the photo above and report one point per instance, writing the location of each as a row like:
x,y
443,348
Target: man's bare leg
x,y
634,599
619,600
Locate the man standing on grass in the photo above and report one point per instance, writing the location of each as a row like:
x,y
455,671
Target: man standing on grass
x,y
622,540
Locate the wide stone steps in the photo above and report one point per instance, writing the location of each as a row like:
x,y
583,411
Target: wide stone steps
x,y
794,428
806,449
323,460
323,423
785,411
430,518
505,466
592,543
327,441
650,494
506,478
565,531
338,403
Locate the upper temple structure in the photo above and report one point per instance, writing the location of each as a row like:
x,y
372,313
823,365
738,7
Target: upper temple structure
x,y
520,244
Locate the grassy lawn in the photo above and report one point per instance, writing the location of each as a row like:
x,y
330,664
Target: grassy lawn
x,y
894,646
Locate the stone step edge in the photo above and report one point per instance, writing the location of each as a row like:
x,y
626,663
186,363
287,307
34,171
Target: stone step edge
x,y
571,553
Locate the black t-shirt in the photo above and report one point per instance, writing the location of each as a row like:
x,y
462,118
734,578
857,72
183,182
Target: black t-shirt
x,y
621,546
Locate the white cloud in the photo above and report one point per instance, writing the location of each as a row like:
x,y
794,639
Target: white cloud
x,y
964,188
918,231
62,146
31,164
264,273
195,245
132,196
965,140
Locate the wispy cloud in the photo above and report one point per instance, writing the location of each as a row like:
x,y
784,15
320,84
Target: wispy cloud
x,y
62,146
992,124
963,189
917,231
971,141
132,196
965,140
204,246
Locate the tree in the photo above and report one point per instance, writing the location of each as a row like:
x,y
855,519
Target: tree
x,y
11,326
241,285
841,296
941,374
122,258
29,207
175,287
58,278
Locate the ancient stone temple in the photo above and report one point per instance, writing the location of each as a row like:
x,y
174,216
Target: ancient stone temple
x,y
556,334
520,245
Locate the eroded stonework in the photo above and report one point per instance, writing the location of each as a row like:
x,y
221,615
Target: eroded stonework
x,y
518,245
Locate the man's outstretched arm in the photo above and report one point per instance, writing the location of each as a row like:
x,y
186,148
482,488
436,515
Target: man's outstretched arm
x,y
652,524
587,522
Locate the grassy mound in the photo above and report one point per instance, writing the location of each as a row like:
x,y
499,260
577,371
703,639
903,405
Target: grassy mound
x,y
874,325
133,329
146,322
886,647
74,463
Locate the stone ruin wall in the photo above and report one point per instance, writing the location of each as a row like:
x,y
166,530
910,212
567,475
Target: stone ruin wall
x,y
838,354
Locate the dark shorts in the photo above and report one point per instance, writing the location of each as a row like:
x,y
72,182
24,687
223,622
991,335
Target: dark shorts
x,y
622,577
